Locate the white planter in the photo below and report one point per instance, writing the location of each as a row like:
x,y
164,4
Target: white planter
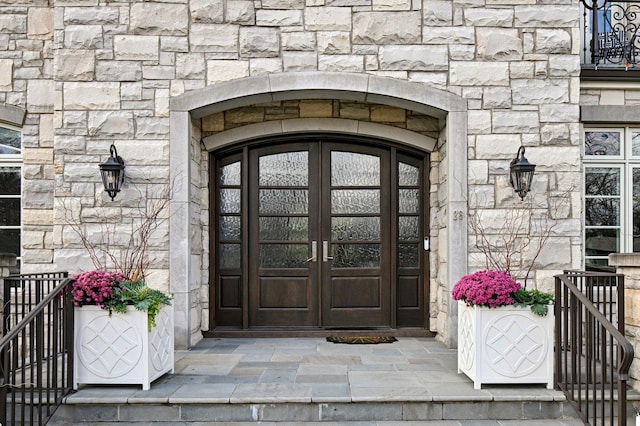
x,y
506,345
119,349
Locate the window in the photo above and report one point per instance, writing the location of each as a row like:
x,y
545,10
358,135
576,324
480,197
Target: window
x,y
10,192
612,194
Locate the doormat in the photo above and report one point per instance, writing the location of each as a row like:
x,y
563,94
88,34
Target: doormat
x,y
361,340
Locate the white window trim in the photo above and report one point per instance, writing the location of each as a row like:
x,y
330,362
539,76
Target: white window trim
x,y
627,163
15,160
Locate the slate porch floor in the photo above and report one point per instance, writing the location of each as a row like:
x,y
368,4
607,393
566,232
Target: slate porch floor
x,y
303,370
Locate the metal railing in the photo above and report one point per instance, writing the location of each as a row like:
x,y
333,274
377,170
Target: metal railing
x,y
21,293
36,351
610,33
593,356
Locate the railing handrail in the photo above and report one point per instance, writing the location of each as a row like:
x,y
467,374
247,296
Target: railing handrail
x,y
622,341
22,324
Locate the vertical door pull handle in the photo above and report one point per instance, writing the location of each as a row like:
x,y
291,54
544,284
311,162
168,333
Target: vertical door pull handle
x,y
325,252
314,252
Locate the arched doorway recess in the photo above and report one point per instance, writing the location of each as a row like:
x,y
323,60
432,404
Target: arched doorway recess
x,y
186,268
319,231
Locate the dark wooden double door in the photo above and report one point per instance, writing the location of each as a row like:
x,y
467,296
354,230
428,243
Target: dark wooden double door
x,y
320,234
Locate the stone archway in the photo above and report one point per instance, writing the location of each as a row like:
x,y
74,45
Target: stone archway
x,y
312,85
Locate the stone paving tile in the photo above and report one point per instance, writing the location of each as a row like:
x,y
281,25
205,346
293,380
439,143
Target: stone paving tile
x,y
203,370
322,369
103,394
230,379
247,371
330,392
321,378
279,375
331,359
204,393
384,379
271,393
440,376
443,391
181,379
158,394
372,367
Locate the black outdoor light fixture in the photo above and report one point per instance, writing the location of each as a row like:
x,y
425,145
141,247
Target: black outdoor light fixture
x,y
112,172
521,173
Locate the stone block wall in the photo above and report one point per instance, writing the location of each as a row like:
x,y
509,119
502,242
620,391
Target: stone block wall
x,y
92,72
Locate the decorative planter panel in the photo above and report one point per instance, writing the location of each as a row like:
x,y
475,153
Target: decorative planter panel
x,y
119,348
506,345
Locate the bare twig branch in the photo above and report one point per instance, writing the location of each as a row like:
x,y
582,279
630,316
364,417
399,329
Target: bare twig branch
x,y
515,244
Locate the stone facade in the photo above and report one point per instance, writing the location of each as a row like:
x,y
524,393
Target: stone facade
x,y
90,73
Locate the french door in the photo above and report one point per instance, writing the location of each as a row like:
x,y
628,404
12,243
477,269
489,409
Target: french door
x,y
318,233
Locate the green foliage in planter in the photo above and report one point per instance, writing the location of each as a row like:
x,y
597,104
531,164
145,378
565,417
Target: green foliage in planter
x,y
536,299
143,298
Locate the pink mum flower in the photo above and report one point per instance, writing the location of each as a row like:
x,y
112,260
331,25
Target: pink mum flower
x,y
486,288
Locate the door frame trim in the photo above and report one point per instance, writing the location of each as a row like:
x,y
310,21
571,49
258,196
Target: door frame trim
x,y
185,273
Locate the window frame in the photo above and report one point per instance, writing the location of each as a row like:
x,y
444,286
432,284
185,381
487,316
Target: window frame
x,y
626,162
14,161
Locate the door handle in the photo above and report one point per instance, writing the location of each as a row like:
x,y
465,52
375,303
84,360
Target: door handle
x,y
325,251
314,252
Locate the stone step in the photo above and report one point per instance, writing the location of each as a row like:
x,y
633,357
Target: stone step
x,y
456,412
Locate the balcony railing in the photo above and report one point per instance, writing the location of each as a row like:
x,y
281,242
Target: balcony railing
x,y
610,39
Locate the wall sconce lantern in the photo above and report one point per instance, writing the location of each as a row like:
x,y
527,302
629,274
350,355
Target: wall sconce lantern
x,y
521,173
112,172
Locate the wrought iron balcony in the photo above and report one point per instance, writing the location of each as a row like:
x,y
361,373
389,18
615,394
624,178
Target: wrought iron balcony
x,y
610,39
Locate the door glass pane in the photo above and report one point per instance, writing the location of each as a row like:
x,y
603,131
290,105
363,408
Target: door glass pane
x,y
284,201
10,241
601,242
602,181
229,256
286,169
408,228
602,212
408,255
230,174
355,201
408,200
10,212
602,143
284,228
230,228
9,181
355,228
351,169
408,175
356,255
284,255
229,200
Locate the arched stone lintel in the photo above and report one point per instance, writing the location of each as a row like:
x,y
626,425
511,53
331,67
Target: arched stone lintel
x,y
12,115
314,85
318,85
326,125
